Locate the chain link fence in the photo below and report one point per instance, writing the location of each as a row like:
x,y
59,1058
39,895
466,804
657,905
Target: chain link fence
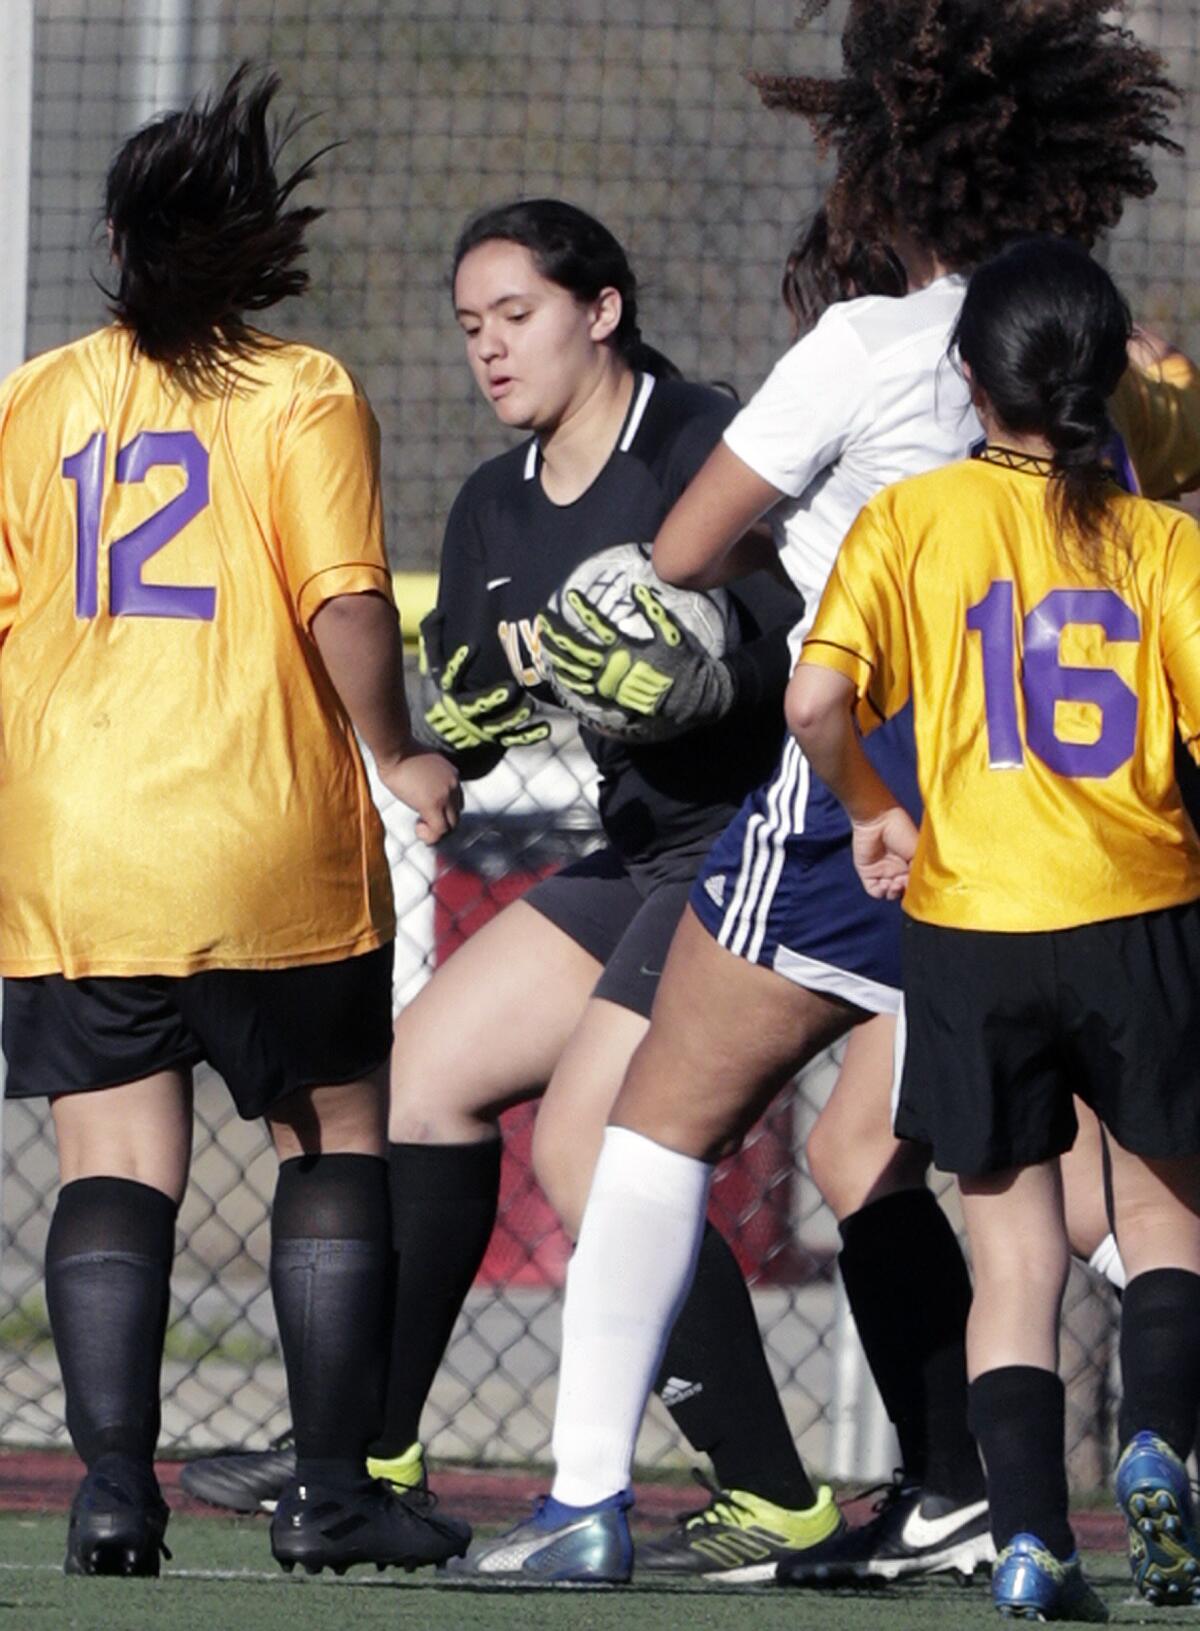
x,y
639,111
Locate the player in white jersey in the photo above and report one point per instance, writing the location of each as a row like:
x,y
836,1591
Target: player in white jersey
x,y
733,1021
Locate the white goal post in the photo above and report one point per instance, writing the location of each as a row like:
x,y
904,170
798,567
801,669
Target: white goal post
x,y
16,138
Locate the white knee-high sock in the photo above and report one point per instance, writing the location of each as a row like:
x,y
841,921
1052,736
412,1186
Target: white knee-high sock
x,y
631,1271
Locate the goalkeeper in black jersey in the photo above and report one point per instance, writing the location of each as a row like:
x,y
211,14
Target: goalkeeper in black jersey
x,y
553,995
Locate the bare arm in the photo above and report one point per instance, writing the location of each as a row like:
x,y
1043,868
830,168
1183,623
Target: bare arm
x,y
358,637
724,499
1147,349
1156,409
818,707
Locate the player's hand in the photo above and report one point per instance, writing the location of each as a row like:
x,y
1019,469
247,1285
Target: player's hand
x,y
457,719
882,850
428,784
646,690
1146,349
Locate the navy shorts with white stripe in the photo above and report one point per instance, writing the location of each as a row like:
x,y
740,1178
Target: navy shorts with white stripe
x,y
779,886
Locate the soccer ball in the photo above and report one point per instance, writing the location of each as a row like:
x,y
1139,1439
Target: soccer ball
x,y
607,580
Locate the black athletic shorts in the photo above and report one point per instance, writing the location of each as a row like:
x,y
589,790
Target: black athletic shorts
x,y
999,1030
622,919
266,1031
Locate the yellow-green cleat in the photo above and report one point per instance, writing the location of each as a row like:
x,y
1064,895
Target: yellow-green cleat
x,y
739,1537
402,1472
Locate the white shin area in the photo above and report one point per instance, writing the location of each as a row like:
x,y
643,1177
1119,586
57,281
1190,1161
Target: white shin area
x,y
627,1281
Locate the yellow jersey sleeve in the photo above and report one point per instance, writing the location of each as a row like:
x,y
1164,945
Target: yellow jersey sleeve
x,y
10,587
327,507
1180,633
859,628
1158,415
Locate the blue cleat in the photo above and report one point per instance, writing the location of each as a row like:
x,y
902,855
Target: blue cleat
x,y
1030,1583
559,1545
1154,1494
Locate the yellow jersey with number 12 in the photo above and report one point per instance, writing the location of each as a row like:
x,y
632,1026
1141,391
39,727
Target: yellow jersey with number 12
x,y
1045,702
180,788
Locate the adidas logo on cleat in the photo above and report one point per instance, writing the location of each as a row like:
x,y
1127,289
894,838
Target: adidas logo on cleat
x,y
735,1547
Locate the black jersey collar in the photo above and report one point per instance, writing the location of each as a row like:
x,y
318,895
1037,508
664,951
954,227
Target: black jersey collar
x,y
1011,458
638,403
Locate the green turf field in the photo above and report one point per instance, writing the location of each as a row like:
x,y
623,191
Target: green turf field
x,y
222,1576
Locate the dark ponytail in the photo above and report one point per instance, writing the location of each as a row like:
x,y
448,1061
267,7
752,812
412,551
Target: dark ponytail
x,y
574,250
815,279
202,232
1044,332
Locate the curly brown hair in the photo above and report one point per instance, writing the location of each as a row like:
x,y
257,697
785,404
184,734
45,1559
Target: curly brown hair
x,y
967,123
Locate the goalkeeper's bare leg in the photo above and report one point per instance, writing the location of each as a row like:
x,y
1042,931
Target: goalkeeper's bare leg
x,y
446,1091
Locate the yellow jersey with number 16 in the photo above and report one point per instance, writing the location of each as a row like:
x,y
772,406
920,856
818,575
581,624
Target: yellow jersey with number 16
x,y
1045,701
180,788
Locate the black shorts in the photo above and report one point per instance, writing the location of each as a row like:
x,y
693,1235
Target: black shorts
x,y
1001,1029
266,1031
623,921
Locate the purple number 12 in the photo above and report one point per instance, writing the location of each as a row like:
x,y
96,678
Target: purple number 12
x,y
1045,681
128,595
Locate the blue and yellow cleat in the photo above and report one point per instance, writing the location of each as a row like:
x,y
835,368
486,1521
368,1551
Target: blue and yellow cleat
x,y
559,1545
1030,1583
1154,1494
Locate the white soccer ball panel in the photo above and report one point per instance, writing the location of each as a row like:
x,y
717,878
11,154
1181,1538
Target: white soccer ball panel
x,y
608,579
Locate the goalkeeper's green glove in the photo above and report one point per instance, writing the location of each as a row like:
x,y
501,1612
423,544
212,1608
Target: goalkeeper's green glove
x,y
636,690
457,720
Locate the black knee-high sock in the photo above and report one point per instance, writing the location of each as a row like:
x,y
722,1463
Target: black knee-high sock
x,y
717,1385
1160,1357
910,1294
444,1200
108,1270
331,1274
1017,1414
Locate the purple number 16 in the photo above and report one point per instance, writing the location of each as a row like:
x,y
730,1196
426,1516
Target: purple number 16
x,y
1045,681
128,595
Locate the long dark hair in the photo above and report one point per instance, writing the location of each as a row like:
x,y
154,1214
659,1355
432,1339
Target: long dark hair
x,y
1044,330
815,277
202,231
571,248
